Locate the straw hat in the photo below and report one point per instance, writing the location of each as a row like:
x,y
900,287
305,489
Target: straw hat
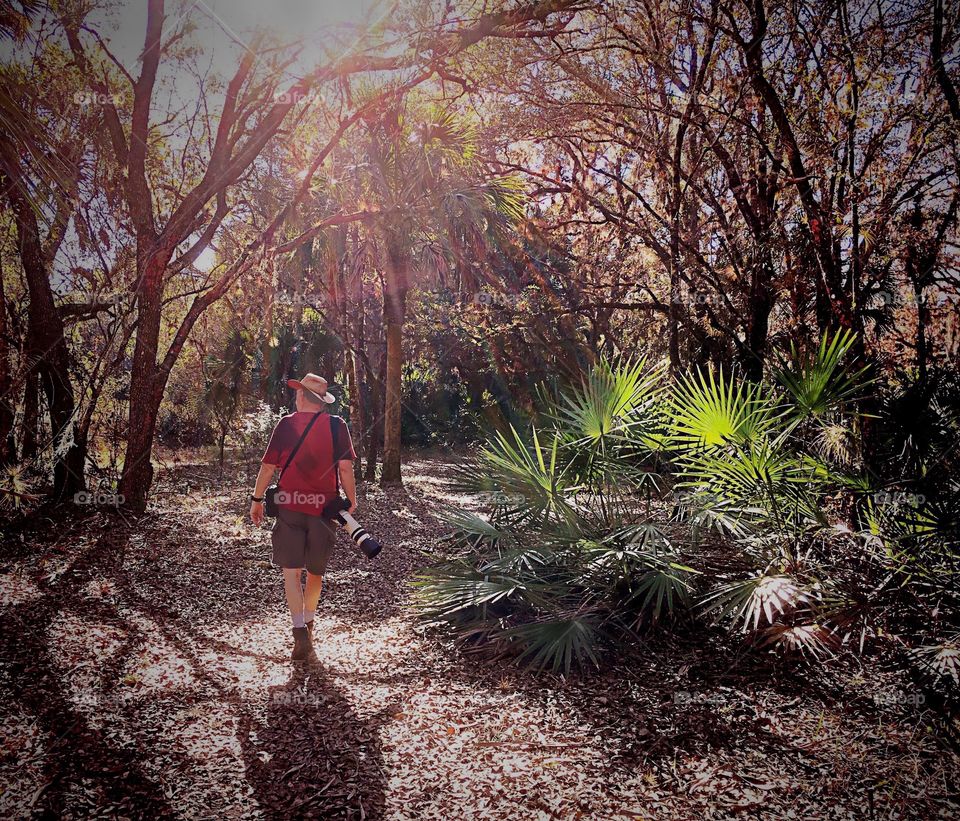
x,y
315,387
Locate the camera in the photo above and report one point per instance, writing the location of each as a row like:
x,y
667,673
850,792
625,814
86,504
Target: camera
x,y
336,510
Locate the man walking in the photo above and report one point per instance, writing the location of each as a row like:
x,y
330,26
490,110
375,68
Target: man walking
x,y
302,538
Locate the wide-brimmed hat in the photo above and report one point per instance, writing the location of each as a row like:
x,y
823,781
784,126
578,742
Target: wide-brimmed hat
x,y
315,387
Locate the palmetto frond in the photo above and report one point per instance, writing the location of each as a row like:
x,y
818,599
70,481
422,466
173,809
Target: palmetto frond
x,y
529,472
468,528
557,642
817,384
520,560
447,592
761,477
505,196
835,442
662,589
611,403
921,535
15,18
746,601
16,486
443,135
711,410
814,640
940,660
704,510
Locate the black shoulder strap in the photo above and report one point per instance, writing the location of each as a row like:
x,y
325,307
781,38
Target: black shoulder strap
x,y
333,441
303,436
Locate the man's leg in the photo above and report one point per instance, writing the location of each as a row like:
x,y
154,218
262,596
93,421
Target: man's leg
x,y
311,595
320,542
289,549
294,592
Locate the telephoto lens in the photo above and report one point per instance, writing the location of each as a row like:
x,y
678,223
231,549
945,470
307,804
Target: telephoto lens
x,y
336,510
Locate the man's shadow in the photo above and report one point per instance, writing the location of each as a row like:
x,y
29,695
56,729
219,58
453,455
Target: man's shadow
x,y
307,754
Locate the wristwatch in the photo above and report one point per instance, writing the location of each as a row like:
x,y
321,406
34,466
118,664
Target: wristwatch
x,y
256,498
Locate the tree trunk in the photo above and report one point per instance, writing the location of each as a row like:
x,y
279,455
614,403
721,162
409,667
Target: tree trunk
x,y
359,391
375,428
916,271
758,321
393,410
394,315
147,383
7,448
356,411
46,350
31,419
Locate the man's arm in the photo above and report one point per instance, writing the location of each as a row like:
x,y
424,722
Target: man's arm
x,y
263,481
347,482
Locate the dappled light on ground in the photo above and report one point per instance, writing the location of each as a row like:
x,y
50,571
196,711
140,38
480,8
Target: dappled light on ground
x,y
150,677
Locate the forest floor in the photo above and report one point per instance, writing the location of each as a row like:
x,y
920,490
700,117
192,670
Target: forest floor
x,y
145,674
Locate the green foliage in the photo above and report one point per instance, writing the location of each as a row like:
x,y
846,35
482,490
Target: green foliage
x,y
818,384
711,411
226,380
572,554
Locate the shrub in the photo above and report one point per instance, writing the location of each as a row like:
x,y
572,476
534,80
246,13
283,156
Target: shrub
x,y
591,515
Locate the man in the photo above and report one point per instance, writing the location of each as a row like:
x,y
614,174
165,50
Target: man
x,y
302,538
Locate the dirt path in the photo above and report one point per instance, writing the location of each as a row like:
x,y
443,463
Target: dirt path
x,y
145,675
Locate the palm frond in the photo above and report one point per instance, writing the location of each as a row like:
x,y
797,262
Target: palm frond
x,y
612,401
747,601
941,660
530,472
815,385
557,643
813,640
711,410
446,592
468,528
662,590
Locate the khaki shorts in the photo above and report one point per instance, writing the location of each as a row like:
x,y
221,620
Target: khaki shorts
x,y
302,540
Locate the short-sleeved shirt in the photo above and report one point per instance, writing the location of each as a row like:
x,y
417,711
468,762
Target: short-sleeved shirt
x,y
311,479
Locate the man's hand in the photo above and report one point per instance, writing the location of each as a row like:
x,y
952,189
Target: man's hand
x,y
259,489
348,483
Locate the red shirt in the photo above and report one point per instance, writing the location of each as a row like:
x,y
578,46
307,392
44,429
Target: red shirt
x,y
311,479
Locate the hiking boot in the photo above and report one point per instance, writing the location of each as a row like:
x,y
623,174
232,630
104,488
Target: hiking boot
x,y
312,657
302,648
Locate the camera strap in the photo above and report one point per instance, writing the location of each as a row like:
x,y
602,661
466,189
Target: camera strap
x,y
296,447
336,462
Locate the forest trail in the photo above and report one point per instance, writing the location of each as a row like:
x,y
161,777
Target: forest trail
x,y
146,674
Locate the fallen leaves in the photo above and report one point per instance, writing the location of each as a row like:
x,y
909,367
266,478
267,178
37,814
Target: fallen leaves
x,y
165,662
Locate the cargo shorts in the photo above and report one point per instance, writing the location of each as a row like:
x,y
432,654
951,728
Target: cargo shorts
x,y
302,540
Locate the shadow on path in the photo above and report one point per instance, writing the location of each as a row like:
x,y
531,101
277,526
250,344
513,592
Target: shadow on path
x,y
310,755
